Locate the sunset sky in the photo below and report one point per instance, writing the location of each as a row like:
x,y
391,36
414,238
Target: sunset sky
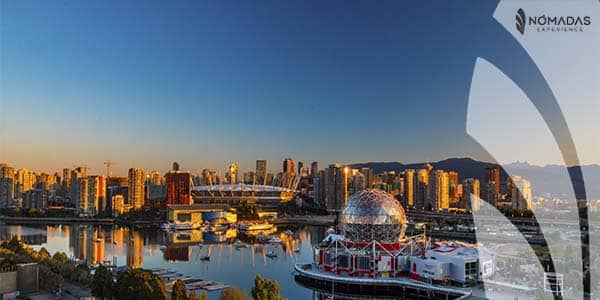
x,y
213,82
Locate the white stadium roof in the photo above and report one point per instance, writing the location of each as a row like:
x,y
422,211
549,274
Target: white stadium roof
x,y
240,187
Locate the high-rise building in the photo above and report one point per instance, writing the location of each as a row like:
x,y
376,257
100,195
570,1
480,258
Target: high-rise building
x,y
358,182
136,188
156,178
336,187
24,181
261,171
175,167
36,198
439,188
74,187
288,166
422,189
471,191
7,184
300,166
82,204
453,187
179,188
521,193
314,169
409,188
66,179
232,174
491,195
492,174
369,177
96,194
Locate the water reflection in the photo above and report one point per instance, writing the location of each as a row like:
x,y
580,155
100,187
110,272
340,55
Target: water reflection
x,y
228,256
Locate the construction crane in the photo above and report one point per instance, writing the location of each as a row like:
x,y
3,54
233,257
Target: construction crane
x,y
108,164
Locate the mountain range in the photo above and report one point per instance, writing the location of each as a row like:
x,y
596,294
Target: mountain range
x,y
549,180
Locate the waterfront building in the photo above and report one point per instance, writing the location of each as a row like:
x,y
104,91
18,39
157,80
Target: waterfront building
x,y
470,188
521,196
135,188
96,194
118,205
373,250
36,198
179,185
82,204
491,195
261,172
300,166
7,185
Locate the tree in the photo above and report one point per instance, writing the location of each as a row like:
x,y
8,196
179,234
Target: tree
x,y
43,254
203,296
179,292
102,283
139,284
232,293
265,289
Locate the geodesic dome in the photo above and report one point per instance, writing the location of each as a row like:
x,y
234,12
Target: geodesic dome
x,y
373,215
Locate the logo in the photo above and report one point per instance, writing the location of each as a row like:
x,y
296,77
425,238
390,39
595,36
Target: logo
x,y
550,23
520,20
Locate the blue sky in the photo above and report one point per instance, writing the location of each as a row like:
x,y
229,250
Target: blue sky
x,y
144,83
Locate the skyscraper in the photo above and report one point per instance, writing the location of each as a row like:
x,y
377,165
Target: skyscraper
x,y
492,174
232,174
314,169
521,194
7,184
96,194
336,187
288,166
453,187
369,177
300,166
409,188
24,181
422,189
261,171
471,188
179,188
135,180
439,188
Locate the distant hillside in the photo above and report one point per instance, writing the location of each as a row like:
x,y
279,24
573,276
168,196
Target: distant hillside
x,y
552,179
466,167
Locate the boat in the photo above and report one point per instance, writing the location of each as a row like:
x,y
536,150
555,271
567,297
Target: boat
x,y
181,226
205,258
297,250
288,232
218,227
255,226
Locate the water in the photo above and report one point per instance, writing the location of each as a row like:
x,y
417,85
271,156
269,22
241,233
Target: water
x,y
153,248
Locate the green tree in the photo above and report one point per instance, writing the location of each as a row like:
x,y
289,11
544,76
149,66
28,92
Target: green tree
x,y
139,284
102,283
233,293
265,289
179,292
202,296
43,254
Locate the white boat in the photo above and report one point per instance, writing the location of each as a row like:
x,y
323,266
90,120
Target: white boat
x,y
181,226
289,232
297,250
255,226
